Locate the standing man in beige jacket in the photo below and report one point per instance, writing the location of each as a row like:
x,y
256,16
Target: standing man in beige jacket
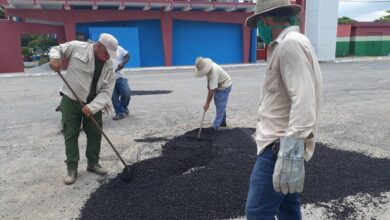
x,y
91,75
288,113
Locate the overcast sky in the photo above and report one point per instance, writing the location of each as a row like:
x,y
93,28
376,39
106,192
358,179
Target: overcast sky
x,y
365,10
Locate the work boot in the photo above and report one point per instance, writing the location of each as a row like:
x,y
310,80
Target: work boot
x,y
223,124
97,169
219,128
118,117
127,111
71,176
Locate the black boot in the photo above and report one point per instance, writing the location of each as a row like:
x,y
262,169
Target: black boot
x,y
223,124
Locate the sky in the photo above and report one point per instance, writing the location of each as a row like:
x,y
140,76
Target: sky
x,y
363,10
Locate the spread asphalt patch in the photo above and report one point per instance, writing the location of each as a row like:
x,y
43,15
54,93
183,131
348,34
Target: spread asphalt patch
x,y
152,139
209,180
149,92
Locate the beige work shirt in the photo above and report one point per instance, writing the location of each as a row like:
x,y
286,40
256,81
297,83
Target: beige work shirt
x,y
80,73
291,92
218,78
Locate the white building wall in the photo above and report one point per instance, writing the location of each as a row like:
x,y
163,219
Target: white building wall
x,y
321,27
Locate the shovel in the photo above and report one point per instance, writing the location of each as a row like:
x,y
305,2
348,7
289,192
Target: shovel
x,y
198,138
128,170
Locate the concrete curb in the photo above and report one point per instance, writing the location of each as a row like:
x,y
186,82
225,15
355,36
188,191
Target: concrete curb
x,y
228,66
360,59
23,74
143,69
187,68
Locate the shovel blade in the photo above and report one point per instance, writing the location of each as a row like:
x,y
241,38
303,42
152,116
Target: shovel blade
x,y
127,174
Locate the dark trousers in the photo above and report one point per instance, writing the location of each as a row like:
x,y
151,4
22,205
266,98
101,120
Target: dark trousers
x,y
72,117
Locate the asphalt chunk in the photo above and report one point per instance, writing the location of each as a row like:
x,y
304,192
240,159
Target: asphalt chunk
x,y
152,139
210,179
149,92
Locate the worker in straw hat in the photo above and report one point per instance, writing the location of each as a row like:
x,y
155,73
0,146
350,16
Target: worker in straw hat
x,y
219,85
91,76
288,114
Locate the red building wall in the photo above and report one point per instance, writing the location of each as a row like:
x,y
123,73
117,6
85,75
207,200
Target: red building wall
x,y
344,30
69,18
12,62
10,38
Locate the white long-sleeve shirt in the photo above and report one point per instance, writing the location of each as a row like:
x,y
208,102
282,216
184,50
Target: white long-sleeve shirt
x,y
80,73
291,93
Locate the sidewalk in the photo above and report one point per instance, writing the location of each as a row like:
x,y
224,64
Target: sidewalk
x,y
361,59
48,72
45,71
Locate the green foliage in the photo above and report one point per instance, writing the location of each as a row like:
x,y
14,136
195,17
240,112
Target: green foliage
x,y
385,18
40,42
26,52
345,20
43,60
26,39
2,13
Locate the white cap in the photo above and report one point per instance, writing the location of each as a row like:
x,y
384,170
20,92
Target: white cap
x,y
111,44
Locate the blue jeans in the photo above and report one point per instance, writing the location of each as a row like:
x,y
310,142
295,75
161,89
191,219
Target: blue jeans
x,y
220,99
263,202
121,96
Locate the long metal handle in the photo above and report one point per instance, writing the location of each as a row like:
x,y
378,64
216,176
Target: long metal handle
x,y
92,119
201,124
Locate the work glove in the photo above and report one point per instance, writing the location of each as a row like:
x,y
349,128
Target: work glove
x,y
289,172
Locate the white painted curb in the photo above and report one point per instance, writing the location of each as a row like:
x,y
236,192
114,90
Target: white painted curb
x,y
142,69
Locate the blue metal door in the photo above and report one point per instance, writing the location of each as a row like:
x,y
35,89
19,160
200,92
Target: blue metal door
x,y
128,38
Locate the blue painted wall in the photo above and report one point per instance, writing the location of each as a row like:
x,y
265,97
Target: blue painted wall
x,y
150,38
219,41
127,38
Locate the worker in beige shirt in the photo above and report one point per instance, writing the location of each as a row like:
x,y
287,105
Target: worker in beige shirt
x,y
288,113
219,85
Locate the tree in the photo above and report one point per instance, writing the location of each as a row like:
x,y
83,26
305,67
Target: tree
x,y
27,53
345,20
42,43
26,38
2,13
385,18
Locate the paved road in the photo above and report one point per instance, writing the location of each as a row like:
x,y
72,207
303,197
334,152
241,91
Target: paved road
x,y
355,116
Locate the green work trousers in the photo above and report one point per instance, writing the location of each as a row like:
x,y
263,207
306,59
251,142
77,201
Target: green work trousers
x,y
72,117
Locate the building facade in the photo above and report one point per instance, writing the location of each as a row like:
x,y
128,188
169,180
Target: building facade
x,y
363,39
156,33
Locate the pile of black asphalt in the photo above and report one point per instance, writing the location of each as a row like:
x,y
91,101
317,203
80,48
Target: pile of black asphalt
x,y
209,180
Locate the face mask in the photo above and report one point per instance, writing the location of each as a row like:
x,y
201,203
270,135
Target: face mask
x,y
266,31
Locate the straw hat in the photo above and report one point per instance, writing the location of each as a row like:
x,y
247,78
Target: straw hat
x,y
203,66
263,6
